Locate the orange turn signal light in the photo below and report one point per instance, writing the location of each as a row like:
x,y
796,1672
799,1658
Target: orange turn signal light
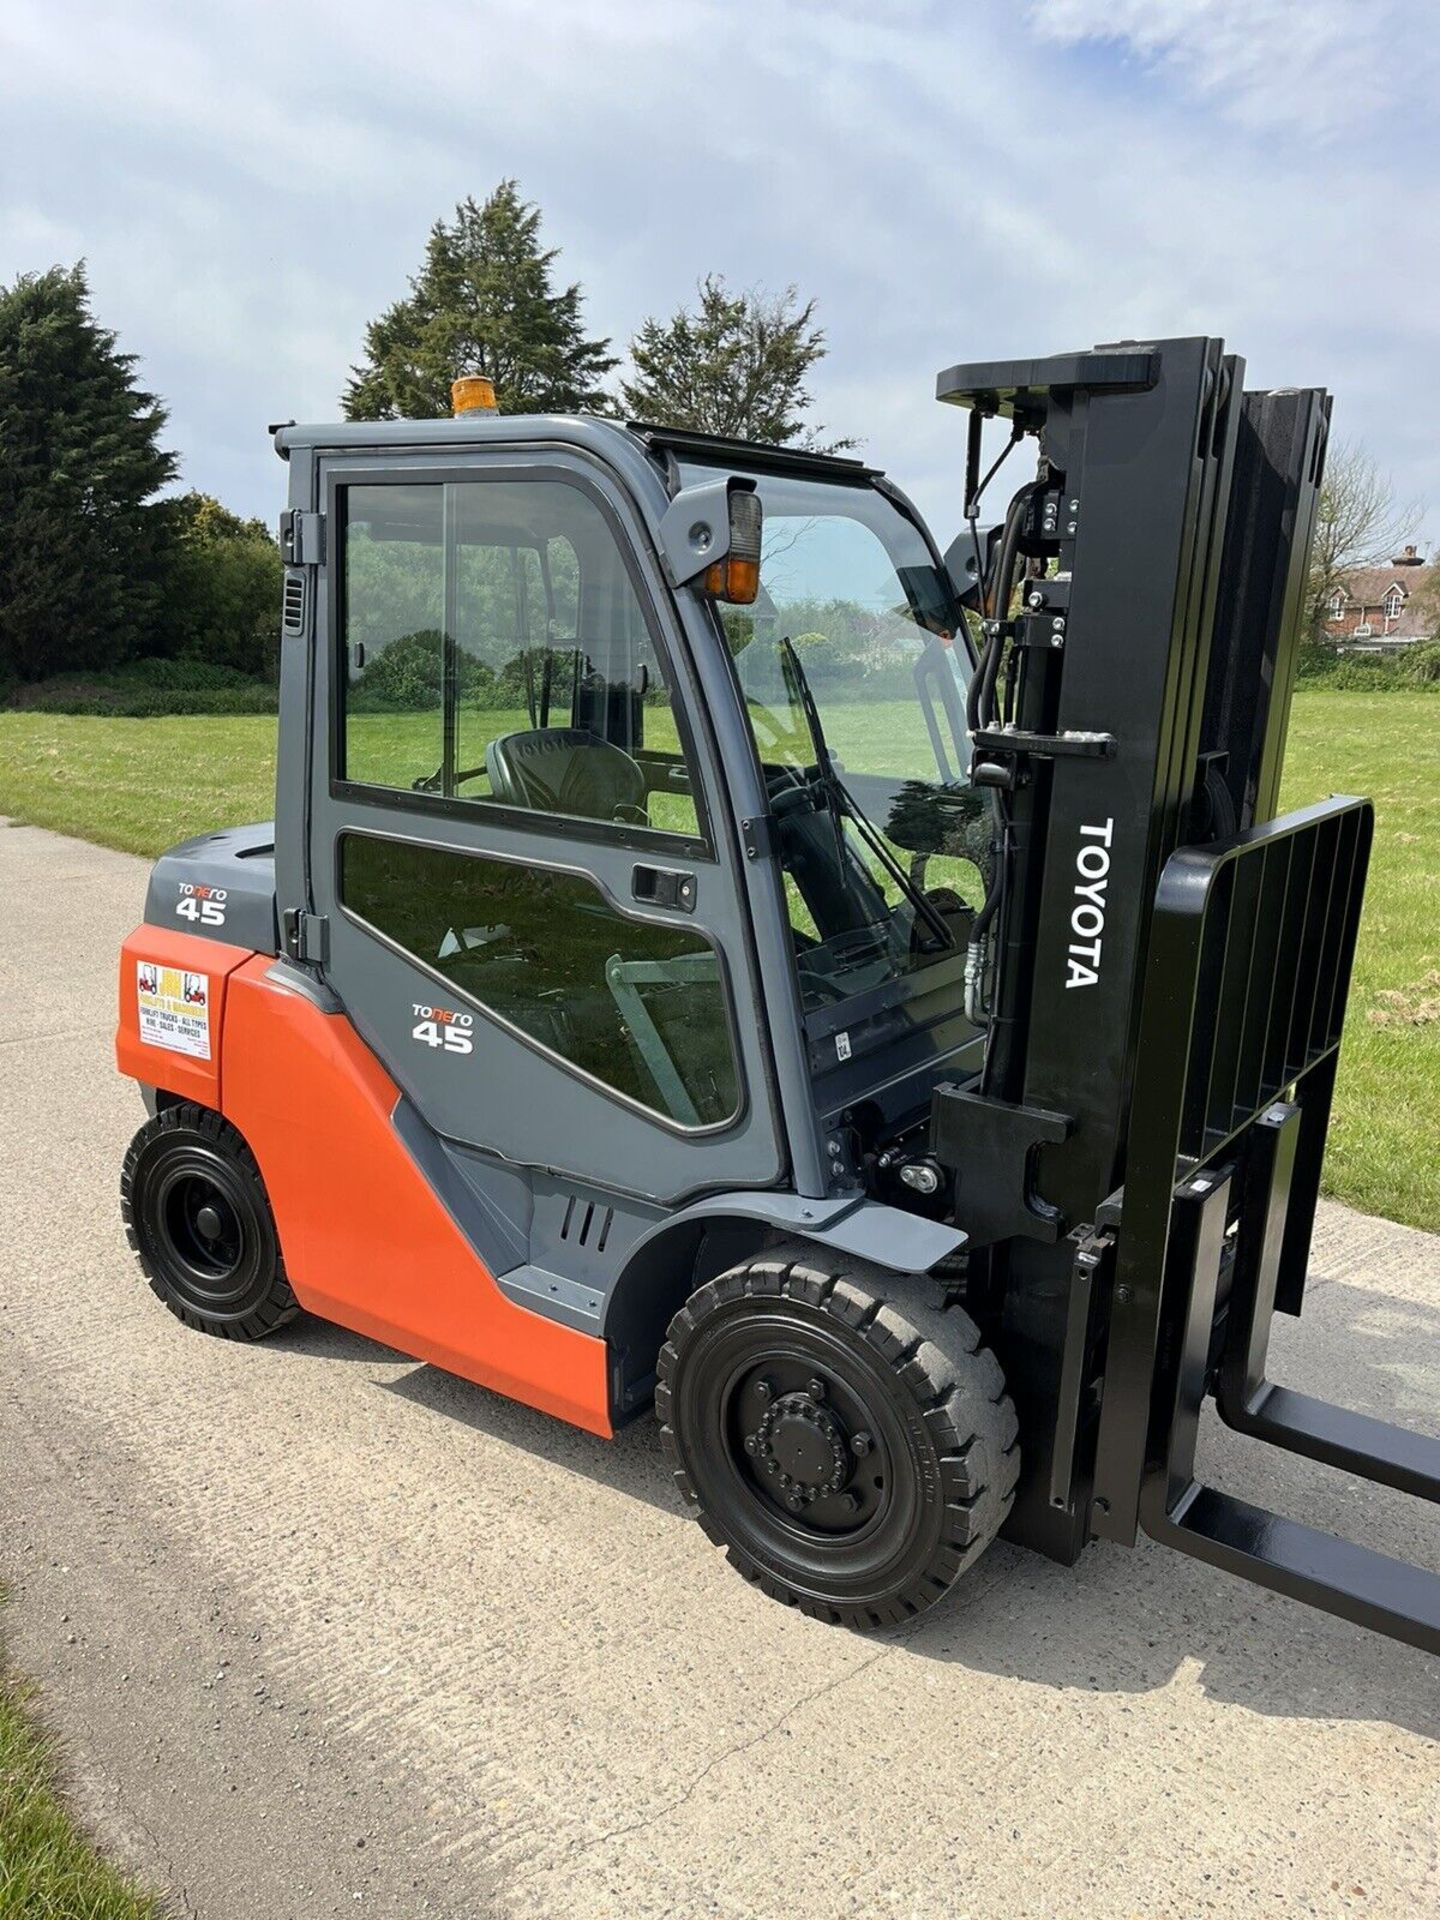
x,y
733,578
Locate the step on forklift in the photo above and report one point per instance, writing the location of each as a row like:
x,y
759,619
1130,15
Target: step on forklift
x,y
717,952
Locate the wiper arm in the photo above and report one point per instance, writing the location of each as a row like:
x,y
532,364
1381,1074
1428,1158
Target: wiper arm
x,y
927,910
843,802
824,765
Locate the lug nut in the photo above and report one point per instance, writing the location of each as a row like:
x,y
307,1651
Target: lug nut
x,y
752,1445
849,1503
817,1389
861,1444
763,1389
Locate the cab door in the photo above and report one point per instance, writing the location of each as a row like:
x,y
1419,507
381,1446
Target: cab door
x,y
531,916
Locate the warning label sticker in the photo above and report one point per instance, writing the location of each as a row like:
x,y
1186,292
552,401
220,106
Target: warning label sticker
x,y
174,1009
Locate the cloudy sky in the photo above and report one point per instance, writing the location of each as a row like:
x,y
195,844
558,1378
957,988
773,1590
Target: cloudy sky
x,y
251,182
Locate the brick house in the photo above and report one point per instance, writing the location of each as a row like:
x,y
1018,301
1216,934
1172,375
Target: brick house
x,y
1382,609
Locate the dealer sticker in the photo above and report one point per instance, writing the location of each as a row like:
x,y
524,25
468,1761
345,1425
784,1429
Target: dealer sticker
x,y
174,1009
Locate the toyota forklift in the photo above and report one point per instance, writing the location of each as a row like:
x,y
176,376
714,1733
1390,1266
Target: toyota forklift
x,y
717,951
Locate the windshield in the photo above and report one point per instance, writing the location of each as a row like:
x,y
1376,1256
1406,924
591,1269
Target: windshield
x,y
855,637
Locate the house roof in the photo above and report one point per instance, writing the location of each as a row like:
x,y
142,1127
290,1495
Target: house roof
x,y
1367,586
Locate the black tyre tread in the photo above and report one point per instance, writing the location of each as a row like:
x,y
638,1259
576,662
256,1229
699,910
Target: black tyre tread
x,y
279,1305
937,1355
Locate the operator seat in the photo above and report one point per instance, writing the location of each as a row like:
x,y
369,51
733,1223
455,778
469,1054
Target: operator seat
x,y
566,770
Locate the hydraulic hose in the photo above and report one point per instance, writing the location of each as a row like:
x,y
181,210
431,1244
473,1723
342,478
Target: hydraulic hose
x,y
980,926
980,694
979,712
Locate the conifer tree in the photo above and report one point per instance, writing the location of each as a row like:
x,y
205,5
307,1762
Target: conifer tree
x,y
81,536
736,365
484,301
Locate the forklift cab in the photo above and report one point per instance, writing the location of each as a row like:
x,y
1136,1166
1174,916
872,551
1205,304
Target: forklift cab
x,y
538,751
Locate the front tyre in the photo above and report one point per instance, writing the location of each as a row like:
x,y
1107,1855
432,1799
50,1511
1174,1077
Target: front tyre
x,y
848,1442
198,1218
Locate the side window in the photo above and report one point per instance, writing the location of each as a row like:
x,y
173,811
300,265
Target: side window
x,y
638,1007
496,650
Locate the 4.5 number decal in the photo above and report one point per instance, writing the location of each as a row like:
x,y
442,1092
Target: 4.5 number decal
x,y
205,904
439,1027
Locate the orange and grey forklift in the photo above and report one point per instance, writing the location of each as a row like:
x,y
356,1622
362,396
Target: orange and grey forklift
x,y
715,951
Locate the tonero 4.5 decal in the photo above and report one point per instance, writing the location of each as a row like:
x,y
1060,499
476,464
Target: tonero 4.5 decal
x,y
439,1027
1087,915
174,1009
205,904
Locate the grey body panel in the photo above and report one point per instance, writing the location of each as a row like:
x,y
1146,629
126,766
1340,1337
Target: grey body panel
x,y
554,1246
230,876
856,1225
487,1200
308,984
568,1250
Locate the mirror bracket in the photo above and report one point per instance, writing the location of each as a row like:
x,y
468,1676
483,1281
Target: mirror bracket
x,y
694,530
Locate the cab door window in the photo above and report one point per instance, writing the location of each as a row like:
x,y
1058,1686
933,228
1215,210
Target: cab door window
x,y
636,1006
497,651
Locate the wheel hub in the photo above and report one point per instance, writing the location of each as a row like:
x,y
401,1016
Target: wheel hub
x,y
203,1232
802,1442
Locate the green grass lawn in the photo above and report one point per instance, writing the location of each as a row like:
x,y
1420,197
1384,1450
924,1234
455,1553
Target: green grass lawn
x,y
1384,1148
141,785
48,1869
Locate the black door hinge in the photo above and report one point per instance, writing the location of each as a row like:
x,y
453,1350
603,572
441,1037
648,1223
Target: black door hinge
x,y
307,936
759,837
302,538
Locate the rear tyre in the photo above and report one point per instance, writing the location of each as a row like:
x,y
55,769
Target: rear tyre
x,y
849,1443
198,1217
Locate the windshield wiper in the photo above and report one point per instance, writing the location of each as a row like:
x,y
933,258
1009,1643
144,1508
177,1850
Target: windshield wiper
x,y
843,802
824,765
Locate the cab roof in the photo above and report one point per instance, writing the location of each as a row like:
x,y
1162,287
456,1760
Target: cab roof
x,y
501,429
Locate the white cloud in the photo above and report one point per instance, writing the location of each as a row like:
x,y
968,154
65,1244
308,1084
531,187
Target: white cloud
x,y
1326,67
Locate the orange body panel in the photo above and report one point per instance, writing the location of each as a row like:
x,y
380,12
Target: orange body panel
x,y
191,1075
366,1241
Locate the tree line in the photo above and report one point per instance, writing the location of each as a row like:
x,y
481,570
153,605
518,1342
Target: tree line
x,y
101,564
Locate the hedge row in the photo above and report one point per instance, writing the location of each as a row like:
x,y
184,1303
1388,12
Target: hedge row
x,y
1415,671
144,688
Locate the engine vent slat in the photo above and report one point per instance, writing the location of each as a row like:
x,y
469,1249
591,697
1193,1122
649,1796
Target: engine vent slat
x,y
592,1228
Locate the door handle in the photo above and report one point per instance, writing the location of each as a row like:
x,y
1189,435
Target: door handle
x,y
661,887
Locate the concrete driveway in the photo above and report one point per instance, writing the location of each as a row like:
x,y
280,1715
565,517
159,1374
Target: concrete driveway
x,y
328,1631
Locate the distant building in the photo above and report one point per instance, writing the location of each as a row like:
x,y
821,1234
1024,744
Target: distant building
x,y
1380,609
